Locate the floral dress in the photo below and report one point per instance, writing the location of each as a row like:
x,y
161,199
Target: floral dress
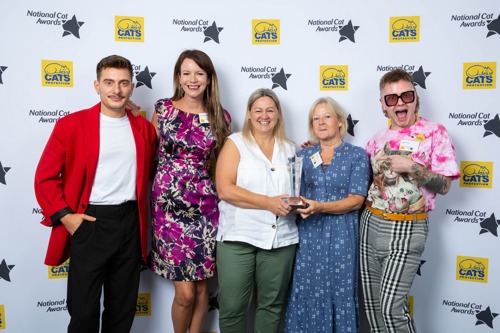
x,y
183,201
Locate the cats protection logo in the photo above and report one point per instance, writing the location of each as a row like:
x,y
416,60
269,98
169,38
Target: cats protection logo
x,y
472,269
59,272
143,306
403,29
476,174
266,32
129,29
2,317
479,75
57,73
333,77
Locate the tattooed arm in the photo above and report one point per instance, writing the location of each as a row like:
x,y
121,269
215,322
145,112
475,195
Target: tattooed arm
x,y
432,181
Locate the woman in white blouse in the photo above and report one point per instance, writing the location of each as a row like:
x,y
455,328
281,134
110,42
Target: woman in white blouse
x,y
257,234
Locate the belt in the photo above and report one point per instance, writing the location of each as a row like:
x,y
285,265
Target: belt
x,y
397,217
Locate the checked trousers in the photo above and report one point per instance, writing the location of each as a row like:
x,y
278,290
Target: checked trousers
x,y
390,253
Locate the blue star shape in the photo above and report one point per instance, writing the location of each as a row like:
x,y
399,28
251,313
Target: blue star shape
x,y
212,33
485,317
72,27
5,270
3,171
2,69
144,78
279,79
347,32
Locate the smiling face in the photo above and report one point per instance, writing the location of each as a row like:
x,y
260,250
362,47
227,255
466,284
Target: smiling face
x,y
402,114
114,88
263,115
192,79
325,124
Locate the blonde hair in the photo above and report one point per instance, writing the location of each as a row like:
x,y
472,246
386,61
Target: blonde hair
x,y
332,107
279,129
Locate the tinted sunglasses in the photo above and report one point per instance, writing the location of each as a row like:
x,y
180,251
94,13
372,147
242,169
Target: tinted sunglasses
x,y
406,97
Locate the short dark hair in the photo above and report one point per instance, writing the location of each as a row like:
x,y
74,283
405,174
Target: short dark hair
x,y
114,61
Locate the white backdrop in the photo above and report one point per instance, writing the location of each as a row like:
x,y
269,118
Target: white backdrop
x,y
451,46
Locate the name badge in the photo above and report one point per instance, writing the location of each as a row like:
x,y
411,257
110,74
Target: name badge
x,y
409,145
203,118
316,159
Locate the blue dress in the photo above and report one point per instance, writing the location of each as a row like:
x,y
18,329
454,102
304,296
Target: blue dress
x,y
324,291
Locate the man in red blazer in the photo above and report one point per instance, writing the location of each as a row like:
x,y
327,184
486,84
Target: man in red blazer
x,y
92,183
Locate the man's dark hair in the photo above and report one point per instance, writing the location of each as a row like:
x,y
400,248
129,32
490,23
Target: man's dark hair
x,y
114,61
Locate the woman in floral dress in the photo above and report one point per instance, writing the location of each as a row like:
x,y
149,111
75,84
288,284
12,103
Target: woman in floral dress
x,y
191,126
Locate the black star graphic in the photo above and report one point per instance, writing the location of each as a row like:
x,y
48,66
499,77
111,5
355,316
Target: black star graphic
x,y
493,27
144,78
490,224
5,271
347,32
420,76
72,27
486,317
213,304
279,79
212,33
492,127
3,171
2,69
350,124
420,266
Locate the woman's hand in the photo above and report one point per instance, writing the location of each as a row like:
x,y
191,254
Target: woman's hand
x,y
278,206
307,144
134,108
313,208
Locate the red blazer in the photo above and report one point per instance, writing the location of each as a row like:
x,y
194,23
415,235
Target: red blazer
x,y
66,171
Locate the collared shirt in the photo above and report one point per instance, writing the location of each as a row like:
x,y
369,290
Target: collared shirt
x,y
427,143
259,227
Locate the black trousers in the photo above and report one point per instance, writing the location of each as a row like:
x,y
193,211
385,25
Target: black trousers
x,y
105,253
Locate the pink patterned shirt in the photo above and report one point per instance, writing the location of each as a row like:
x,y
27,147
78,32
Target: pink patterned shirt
x,y
428,144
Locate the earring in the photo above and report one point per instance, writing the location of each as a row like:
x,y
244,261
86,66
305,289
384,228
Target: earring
x,y
182,92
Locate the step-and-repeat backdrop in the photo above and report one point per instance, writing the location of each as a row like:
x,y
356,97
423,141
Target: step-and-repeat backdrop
x,y
302,50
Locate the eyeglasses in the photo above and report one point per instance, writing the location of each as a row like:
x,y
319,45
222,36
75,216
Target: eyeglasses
x,y
406,97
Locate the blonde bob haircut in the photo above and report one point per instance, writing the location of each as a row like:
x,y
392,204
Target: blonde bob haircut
x,y
278,130
333,108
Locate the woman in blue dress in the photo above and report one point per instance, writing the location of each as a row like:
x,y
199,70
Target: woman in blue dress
x,y
324,292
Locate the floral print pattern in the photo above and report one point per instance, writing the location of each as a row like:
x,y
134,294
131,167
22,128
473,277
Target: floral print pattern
x,y
183,201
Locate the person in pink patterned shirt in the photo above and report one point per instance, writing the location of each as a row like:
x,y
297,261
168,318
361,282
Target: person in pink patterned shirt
x,y
412,160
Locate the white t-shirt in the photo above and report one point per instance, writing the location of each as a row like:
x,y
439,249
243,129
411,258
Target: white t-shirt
x,y
115,179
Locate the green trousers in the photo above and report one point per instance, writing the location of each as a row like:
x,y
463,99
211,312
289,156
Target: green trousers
x,y
243,269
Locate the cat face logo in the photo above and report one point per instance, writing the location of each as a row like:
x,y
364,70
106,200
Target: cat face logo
x,y
334,77
266,32
404,29
129,29
479,75
472,269
56,73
